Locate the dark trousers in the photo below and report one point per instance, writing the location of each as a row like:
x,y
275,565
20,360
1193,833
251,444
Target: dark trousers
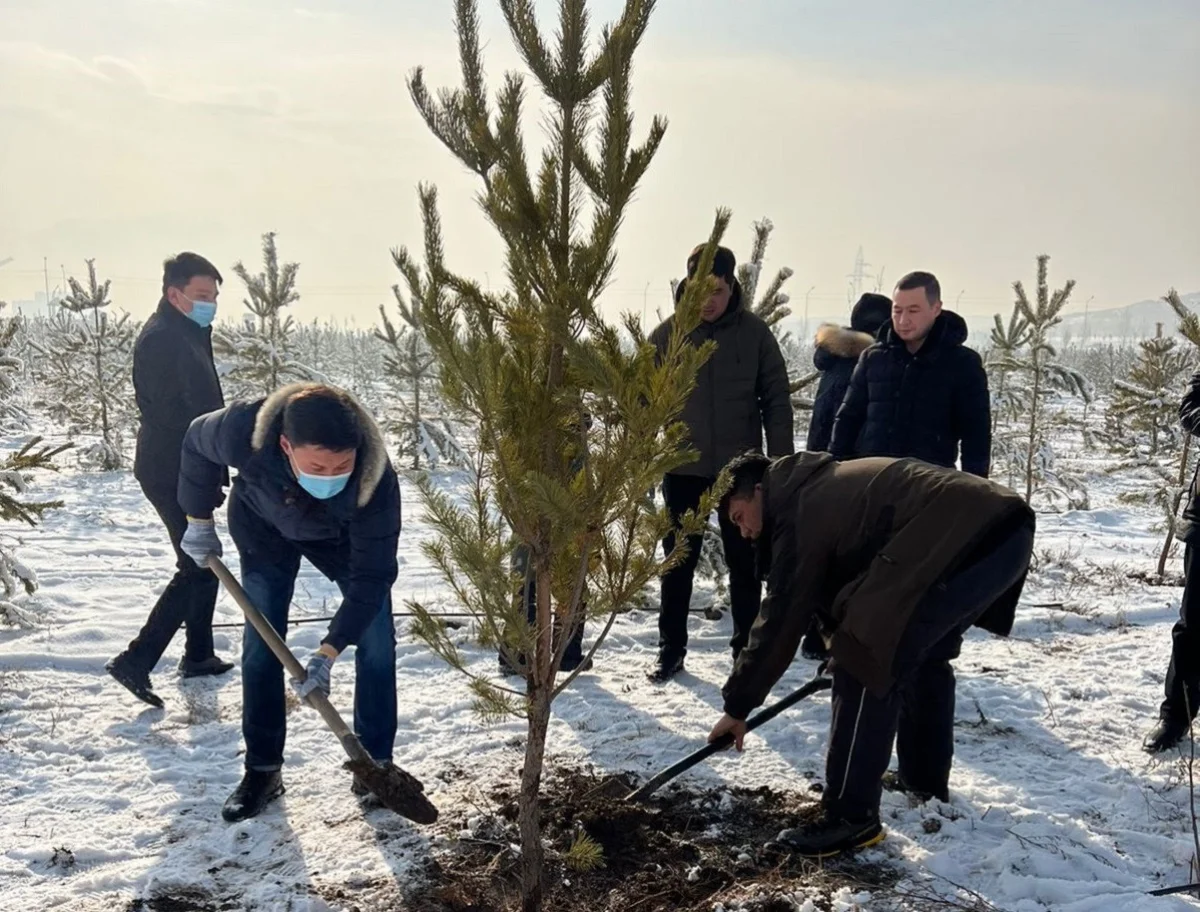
x,y
918,713
1183,674
574,652
188,600
683,493
269,579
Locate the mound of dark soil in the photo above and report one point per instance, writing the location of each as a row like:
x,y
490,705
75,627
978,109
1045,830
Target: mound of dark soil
x,y
684,850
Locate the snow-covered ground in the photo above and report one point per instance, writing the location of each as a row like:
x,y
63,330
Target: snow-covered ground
x,y
107,804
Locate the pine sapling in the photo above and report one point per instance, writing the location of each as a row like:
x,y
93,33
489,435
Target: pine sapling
x,y
12,371
1034,373
16,578
261,353
86,364
575,424
410,362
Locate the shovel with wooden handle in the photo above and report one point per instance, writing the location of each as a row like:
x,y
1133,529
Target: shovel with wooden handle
x,y
397,790
816,685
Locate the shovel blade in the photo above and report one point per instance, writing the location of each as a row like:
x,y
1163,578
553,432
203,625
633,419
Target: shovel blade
x,y
398,791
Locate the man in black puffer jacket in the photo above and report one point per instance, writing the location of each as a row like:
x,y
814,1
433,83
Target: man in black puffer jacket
x,y
314,481
837,350
741,391
919,391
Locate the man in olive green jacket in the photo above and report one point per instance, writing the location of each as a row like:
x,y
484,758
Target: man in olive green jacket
x,y
741,392
896,559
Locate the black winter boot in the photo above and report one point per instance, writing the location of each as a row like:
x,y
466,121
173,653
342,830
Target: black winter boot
x,y
133,678
894,782
668,665
813,647
820,833
190,668
1169,731
257,789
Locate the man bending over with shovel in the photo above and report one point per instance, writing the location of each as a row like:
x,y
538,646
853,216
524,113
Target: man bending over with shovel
x,y
314,481
896,559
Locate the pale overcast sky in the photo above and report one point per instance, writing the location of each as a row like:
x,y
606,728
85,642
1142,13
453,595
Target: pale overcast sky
x,y
960,136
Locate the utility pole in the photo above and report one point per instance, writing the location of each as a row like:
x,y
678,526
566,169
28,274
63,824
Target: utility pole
x,y
857,276
46,276
807,294
1086,306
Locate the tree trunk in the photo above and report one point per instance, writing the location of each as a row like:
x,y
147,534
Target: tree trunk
x,y
1033,427
539,694
1000,401
528,812
99,351
416,422
1182,478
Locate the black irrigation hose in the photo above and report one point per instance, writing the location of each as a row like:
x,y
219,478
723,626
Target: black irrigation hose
x,y
1171,891
395,614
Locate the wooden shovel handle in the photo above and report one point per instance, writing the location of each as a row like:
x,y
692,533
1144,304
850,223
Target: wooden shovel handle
x,y
274,641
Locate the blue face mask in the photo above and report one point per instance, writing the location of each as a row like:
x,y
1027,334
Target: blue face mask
x,y
323,487
202,313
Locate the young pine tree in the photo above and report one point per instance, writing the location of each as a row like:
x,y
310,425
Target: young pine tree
x,y
772,305
260,354
12,370
1145,405
17,579
1174,484
533,363
410,363
1033,376
85,362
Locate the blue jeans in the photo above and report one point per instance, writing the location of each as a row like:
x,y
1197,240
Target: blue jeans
x,y
270,584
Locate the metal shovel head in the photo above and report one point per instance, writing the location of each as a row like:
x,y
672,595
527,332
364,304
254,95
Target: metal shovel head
x,y
397,790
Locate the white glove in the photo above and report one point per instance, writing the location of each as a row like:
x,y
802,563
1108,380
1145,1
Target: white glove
x,y
200,541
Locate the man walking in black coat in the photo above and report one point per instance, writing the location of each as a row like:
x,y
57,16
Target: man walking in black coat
x,y
1182,690
740,391
314,481
919,391
174,381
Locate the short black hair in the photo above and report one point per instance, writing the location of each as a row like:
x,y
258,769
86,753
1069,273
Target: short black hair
x,y
724,263
926,280
182,268
746,471
322,416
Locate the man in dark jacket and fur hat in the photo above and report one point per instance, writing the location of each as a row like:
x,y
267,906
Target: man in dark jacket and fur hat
x,y
314,481
740,391
174,381
918,391
836,353
896,559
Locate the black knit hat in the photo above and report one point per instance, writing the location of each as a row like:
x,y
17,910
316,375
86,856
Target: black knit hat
x,y
870,313
724,263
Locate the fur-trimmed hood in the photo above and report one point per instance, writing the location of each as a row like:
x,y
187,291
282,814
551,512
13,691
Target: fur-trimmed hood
x,y
842,342
372,458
